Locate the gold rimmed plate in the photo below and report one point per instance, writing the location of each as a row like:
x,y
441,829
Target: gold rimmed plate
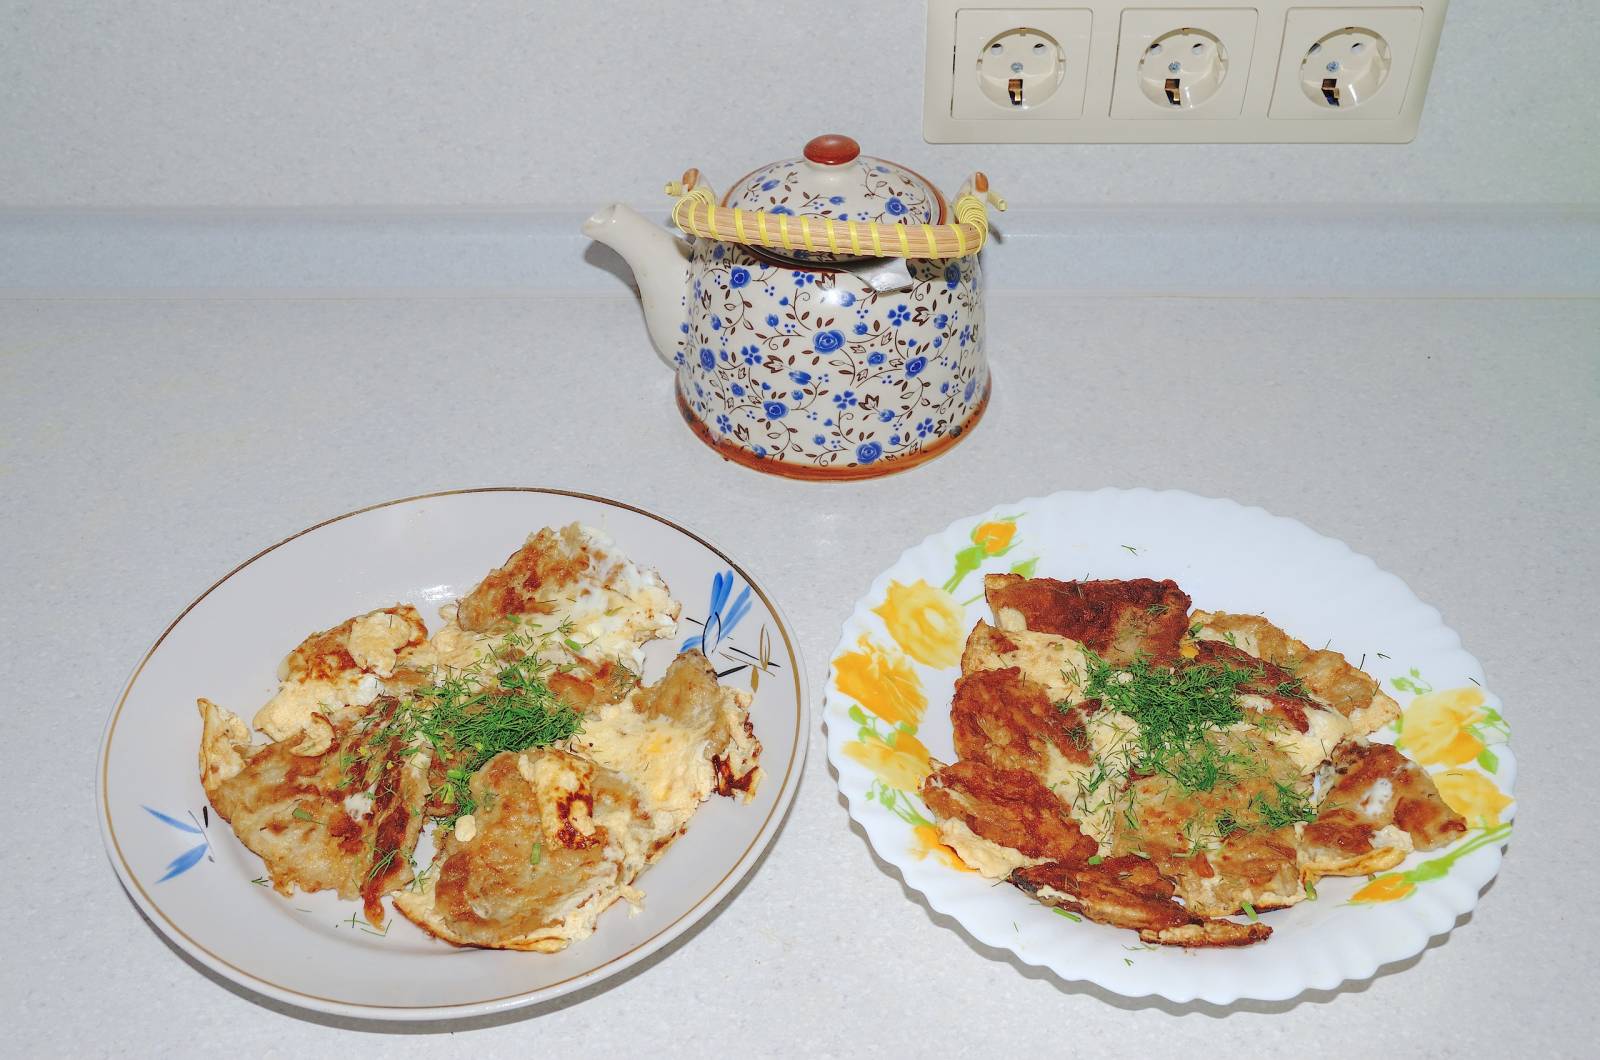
x,y
201,888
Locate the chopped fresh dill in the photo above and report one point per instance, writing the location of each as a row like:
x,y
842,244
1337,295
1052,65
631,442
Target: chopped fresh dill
x,y
1288,806
260,881
1175,710
1066,913
362,924
1292,688
503,702
382,864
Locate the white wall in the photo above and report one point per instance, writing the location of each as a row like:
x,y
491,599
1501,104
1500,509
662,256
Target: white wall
x,y
287,102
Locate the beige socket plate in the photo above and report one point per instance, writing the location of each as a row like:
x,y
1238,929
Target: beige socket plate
x,y
1180,43
1398,27
1110,90
1064,32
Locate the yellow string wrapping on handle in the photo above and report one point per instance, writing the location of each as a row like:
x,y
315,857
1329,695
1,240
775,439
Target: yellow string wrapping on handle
x,y
697,213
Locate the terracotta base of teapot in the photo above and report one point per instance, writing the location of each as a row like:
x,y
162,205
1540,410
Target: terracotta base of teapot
x,y
739,455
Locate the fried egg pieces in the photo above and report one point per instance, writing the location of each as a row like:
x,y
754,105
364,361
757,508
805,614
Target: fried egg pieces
x,y
522,727
1159,770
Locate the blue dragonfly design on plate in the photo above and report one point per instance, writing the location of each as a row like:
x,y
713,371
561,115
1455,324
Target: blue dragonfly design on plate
x,y
191,857
715,635
721,617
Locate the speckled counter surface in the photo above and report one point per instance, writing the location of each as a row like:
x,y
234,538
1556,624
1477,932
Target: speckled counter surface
x,y
149,445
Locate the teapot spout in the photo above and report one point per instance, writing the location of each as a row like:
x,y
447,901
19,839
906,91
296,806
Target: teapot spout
x,y
660,267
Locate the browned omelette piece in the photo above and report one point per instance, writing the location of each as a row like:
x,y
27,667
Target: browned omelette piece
x,y
1214,845
555,571
555,841
1007,825
1002,718
689,698
1207,934
1327,675
999,820
1275,685
985,645
1128,892
339,812
1118,620
1380,807
523,585
680,741
589,683
336,672
1056,664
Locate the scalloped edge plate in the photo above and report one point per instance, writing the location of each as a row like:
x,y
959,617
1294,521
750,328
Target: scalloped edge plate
x,y
1230,558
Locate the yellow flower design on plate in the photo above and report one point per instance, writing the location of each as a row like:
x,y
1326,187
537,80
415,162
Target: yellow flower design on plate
x,y
1472,795
899,759
883,682
993,538
925,621
1437,729
1385,889
927,842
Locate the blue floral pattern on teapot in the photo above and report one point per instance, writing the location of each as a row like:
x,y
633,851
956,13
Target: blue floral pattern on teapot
x,y
817,367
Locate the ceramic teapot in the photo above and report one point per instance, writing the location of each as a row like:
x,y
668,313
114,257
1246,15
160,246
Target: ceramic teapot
x,y
825,319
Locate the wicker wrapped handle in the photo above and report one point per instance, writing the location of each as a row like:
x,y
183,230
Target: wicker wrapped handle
x,y
697,213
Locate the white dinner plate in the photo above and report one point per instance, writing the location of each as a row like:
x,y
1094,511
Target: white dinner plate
x,y
194,880
893,674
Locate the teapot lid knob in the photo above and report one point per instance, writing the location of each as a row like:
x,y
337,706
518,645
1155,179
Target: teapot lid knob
x,y
832,149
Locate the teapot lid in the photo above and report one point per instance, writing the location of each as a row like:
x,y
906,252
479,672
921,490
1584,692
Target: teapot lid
x,y
834,180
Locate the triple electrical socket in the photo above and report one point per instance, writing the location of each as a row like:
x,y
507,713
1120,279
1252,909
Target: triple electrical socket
x,y
1102,71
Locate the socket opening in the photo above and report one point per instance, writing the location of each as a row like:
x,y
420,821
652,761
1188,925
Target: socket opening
x,y
1183,68
1345,68
1021,68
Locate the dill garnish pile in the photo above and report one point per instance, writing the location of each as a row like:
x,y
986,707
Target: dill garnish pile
x,y
1175,710
1286,806
503,702
1182,720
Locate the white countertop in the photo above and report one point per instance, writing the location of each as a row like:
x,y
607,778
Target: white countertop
x,y
150,444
